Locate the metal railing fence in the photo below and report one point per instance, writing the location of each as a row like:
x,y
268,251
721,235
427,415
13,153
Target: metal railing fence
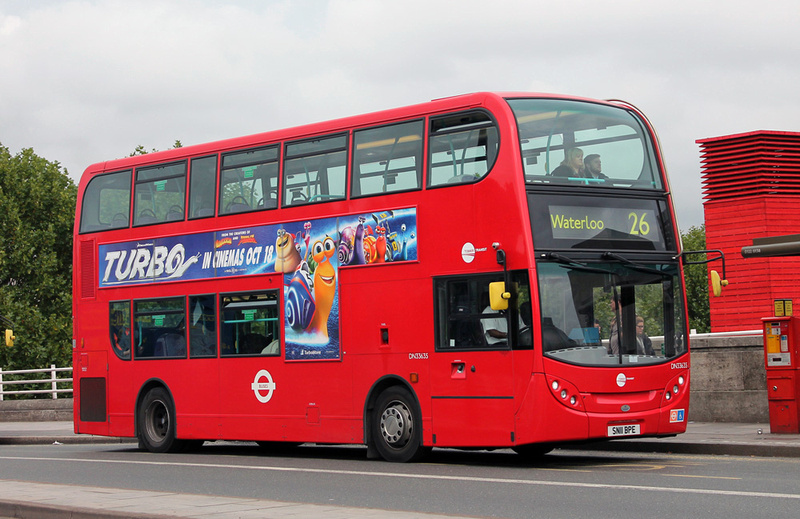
x,y
53,381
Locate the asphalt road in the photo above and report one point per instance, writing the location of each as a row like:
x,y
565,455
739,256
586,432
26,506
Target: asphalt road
x,y
569,484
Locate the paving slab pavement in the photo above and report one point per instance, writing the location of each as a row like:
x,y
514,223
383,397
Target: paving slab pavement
x,y
27,500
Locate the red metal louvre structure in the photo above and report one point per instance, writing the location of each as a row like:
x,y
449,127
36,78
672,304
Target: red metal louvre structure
x,y
751,190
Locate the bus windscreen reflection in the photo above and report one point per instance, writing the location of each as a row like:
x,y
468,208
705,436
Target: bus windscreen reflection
x,y
610,313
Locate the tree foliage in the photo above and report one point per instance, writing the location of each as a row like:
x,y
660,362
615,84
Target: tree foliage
x,y
697,281
38,210
141,150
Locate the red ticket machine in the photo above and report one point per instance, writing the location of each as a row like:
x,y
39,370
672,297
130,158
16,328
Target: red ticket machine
x,y
782,361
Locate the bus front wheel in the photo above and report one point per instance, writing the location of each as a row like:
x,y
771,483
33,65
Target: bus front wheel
x,y
533,451
397,426
156,427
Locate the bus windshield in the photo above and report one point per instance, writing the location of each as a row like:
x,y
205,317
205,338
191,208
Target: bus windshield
x,y
584,144
612,313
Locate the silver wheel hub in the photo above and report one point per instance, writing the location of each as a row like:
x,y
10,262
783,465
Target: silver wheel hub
x,y
396,424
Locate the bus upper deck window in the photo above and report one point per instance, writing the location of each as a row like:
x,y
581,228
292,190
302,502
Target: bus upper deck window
x,y
315,171
159,194
584,144
106,202
387,159
249,181
202,187
463,148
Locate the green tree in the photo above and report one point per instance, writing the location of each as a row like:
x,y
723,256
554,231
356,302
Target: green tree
x,y
697,281
141,150
37,211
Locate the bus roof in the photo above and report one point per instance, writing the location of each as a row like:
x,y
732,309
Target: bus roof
x,y
462,101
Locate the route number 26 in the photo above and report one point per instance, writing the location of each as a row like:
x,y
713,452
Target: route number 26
x,y
638,224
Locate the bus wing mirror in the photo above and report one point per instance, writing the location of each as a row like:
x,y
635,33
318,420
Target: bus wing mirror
x,y
717,283
498,297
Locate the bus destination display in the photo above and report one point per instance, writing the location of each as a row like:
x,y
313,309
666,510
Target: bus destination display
x,y
573,222
597,223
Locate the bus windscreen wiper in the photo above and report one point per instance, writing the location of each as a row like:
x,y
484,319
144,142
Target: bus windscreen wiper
x,y
554,256
634,265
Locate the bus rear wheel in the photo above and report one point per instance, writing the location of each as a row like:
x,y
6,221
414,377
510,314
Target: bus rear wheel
x,y
397,426
156,422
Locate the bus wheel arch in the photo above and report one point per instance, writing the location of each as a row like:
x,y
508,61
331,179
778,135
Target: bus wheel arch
x,y
393,422
155,420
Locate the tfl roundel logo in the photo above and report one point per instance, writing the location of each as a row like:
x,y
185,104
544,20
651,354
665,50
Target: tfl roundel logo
x,y
468,252
263,386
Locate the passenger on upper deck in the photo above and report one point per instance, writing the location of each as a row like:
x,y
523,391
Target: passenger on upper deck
x,y
572,165
594,167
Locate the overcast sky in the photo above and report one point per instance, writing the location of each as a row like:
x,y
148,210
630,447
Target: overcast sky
x,y
86,81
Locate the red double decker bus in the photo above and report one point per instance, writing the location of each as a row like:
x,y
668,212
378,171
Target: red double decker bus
x,y
488,270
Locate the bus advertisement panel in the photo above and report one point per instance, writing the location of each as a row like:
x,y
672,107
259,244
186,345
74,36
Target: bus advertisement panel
x,y
309,254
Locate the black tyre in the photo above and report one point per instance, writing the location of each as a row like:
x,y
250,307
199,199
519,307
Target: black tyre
x,y
533,451
156,422
397,426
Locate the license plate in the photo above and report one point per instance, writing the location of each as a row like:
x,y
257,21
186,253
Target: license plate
x,y
625,430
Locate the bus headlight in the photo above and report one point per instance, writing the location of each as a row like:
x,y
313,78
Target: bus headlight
x,y
675,387
565,392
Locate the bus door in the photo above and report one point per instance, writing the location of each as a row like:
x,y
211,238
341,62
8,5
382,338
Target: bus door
x,y
250,361
472,370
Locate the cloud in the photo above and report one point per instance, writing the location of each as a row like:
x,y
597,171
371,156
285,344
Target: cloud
x,y
86,81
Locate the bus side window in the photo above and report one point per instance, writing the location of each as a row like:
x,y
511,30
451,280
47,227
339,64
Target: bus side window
x,y
387,159
203,326
461,315
159,328
119,327
202,187
250,324
249,181
159,194
463,148
106,202
465,320
315,171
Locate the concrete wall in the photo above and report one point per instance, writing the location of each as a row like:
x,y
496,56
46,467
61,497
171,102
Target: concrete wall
x,y
38,410
728,380
728,384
